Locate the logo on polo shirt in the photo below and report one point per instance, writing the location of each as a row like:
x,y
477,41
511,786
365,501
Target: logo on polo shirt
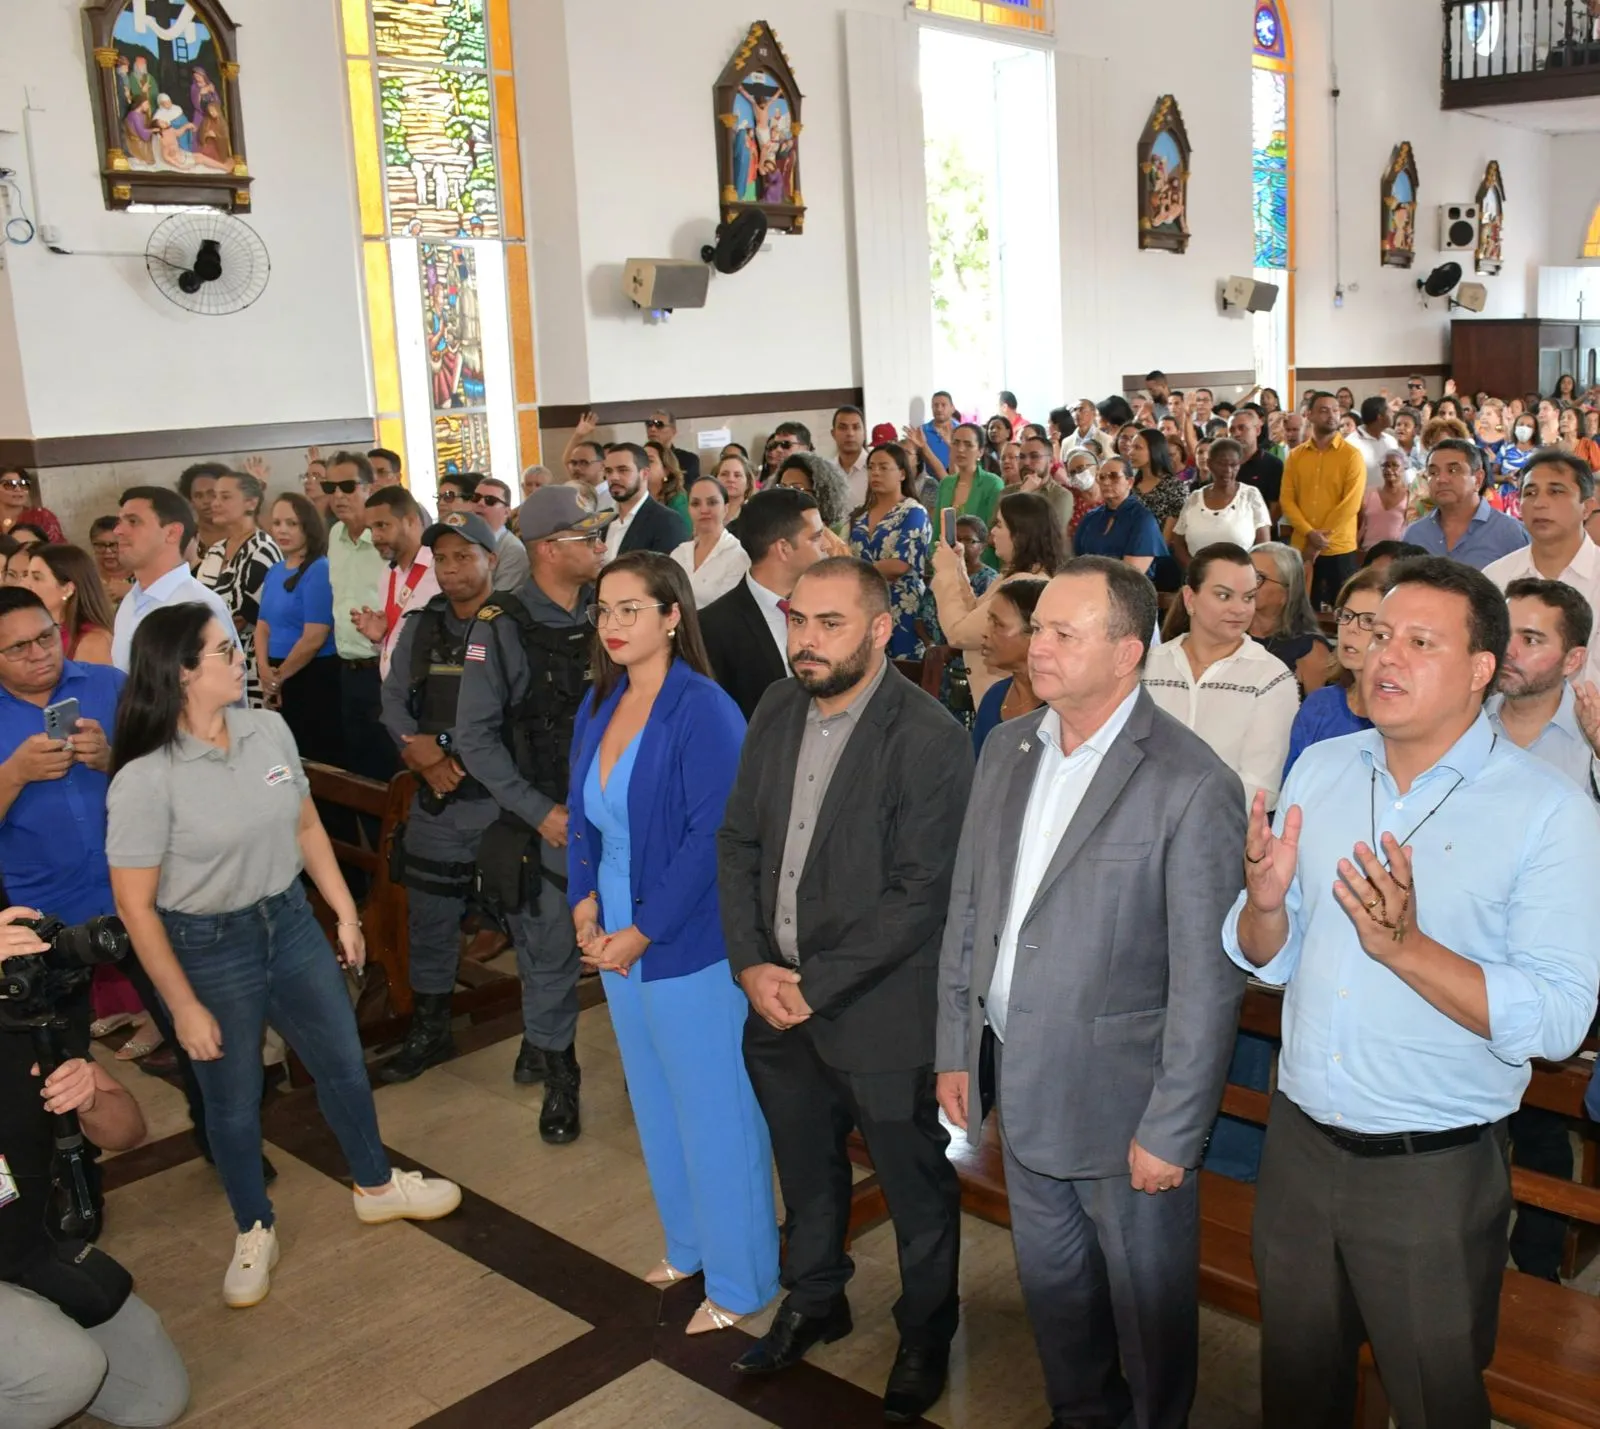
x,y
279,774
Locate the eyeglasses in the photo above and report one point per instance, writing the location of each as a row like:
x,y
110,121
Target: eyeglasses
x,y
1262,580
1364,620
104,545
624,615
588,538
14,483
348,487
229,652
491,501
44,642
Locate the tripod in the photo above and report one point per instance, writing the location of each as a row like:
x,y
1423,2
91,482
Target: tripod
x,y
79,1217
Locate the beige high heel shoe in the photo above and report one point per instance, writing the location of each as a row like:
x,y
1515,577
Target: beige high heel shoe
x,y
711,1317
665,1274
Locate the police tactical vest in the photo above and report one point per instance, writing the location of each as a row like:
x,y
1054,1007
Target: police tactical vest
x,y
539,730
436,658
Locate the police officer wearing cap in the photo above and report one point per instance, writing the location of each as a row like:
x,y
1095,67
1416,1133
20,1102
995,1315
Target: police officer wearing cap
x,y
435,852
524,674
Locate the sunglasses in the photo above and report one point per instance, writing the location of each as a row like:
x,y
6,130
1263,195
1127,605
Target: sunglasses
x,y
484,500
658,422
348,487
14,483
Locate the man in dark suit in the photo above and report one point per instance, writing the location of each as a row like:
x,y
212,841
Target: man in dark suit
x,y
662,426
746,631
1083,964
834,874
642,523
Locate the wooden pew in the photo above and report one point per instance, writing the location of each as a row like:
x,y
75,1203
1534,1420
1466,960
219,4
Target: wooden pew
x,y
1546,1370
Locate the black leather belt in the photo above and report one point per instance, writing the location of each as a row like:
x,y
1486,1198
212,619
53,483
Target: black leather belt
x,y
359,664
1399,1143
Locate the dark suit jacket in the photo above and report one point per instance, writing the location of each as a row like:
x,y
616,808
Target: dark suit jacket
x,y
1123,1006
739,641
876,883
655,528
688,464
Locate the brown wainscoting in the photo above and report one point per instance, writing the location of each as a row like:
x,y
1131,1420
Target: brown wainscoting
x,y
1188,381
100,448
1388,369
736,404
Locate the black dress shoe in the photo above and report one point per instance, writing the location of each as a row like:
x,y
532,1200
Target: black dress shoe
x,y
558,1117
915,1382
530,1065
791,1335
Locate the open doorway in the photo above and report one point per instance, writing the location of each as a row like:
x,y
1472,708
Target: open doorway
x,y
988,116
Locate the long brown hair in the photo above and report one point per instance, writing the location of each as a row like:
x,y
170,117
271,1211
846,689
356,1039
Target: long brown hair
x,y
88,604
667,582
316,533
672,482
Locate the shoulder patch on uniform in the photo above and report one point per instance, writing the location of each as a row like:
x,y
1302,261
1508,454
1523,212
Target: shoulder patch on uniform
x,y
491,612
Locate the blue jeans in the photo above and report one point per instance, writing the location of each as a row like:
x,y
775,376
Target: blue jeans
x,y
271,963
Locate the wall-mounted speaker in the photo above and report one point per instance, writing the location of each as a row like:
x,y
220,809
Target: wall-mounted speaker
x,y
1458,227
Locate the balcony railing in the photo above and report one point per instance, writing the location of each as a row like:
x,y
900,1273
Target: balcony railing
x,y
1517,51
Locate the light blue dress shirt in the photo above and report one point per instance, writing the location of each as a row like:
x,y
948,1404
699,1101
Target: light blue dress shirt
x,y
177,587
1504,877
1489,535
1560,744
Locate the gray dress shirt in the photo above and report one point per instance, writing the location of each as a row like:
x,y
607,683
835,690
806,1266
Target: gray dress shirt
x,y
821,748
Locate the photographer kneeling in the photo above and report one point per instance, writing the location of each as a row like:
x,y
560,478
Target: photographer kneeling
x,y
73,1336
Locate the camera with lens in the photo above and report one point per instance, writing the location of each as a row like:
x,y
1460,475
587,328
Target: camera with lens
x,y
35,985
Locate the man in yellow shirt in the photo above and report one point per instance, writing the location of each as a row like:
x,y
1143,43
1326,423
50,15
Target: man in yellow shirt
x,y
1324,484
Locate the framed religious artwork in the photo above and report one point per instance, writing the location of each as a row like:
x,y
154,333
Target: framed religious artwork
x,y
1491,253
757,105
164,80
1164,179
1399,210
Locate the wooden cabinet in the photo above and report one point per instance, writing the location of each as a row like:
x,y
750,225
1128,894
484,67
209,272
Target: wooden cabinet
x,y
1508,357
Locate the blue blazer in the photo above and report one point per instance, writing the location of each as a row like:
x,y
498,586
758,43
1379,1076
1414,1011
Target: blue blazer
x,y
684,769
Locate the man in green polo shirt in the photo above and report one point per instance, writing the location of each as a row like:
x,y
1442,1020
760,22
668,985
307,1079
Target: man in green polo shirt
x,y
356,572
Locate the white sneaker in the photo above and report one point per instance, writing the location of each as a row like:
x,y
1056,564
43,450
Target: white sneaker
x,y
409,1196
249,1272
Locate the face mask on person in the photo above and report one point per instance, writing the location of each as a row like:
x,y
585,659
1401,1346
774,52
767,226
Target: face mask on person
x,y
1524,433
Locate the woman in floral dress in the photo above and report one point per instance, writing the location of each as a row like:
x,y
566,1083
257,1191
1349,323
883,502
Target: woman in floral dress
x,y
893,532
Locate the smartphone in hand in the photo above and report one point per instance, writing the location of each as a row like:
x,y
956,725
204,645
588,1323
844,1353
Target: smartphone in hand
x,y
947,525
61,719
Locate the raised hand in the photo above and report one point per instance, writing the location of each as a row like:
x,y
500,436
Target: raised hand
x,y
1270,859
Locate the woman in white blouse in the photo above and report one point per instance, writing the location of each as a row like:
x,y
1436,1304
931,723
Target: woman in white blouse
x,y
1226,510
713,558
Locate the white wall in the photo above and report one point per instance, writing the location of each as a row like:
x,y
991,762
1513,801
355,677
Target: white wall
x,y
103,351
1390,92
1574,192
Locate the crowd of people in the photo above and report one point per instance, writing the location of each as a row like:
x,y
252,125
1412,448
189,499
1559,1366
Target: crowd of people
x,y
662,732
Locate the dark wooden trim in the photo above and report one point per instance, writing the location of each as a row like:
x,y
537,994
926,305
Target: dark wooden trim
x,y
99,448
1334,374
738,404
1486,91
1188,381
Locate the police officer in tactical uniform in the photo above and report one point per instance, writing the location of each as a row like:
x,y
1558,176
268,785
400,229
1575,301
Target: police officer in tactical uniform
x,y
436,850
525,672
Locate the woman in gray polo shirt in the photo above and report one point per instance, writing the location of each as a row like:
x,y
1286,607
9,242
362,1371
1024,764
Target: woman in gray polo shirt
x,y
210,822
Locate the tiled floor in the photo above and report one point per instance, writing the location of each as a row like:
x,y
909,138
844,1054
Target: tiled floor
x,y
526,1308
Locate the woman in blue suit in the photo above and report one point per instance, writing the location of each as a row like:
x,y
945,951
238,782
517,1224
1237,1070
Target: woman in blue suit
x,y
654,755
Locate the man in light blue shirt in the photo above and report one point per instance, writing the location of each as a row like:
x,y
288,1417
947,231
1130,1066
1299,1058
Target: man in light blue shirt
x,y
154,529
1421,980
1462,524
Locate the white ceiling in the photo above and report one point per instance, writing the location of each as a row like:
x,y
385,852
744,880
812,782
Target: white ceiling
x,y
1547,116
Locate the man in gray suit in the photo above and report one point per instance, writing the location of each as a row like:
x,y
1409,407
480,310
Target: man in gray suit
x,y
1102,848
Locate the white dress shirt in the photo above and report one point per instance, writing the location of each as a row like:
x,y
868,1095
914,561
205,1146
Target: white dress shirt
x,y
177,587
777,620
1242,706
1560,743
1373,450
1059,784
719,573
619,528
393,587
1583,575
857,477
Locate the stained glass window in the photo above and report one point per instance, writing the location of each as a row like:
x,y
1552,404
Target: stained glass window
x,y
438,153
433,114
1270,163
1591,241
1010,14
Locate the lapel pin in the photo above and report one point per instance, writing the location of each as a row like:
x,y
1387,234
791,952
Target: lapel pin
x,y
1026,746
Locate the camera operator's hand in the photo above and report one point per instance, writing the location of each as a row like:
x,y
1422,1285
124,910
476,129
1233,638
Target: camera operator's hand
x,y
38,758
71,1087
198,1032
90,746
15,940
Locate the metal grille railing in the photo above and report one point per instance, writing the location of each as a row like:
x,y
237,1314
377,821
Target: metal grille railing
x,y
1509,39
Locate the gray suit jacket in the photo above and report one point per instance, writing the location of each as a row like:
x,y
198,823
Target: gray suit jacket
x,y
1123,1005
